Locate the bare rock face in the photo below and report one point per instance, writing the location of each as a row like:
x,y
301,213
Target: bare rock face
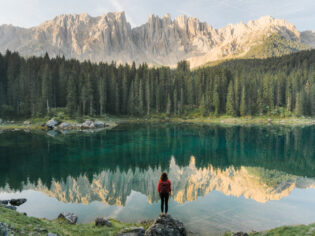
x,y
308,37
160,41
167,226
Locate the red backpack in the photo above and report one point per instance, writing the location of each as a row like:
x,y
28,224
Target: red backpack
x,y
164,187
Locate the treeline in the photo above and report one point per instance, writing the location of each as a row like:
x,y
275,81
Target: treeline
x,y
276,86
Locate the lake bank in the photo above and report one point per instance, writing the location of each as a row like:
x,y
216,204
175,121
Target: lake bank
x,y
18,223
111,122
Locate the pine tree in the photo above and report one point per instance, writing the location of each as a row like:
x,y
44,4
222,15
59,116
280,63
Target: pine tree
x,y
243,106
71,95
216,102
230,100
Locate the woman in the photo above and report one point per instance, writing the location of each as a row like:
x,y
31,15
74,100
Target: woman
x,y
164,189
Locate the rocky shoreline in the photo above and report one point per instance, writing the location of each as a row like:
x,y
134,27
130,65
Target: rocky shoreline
x,y
15,223
56,126
162,226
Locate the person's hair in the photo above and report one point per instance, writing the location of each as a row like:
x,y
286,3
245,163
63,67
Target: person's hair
x,y
164,176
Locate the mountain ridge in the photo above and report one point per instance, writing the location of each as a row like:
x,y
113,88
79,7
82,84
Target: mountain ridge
x,y
159,41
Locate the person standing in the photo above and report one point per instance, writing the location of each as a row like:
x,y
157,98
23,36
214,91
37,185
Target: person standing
x,y
164,189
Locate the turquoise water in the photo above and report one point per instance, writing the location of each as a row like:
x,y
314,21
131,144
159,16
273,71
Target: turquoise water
x,y
224,178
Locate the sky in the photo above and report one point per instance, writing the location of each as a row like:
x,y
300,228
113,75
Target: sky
x,y
27,13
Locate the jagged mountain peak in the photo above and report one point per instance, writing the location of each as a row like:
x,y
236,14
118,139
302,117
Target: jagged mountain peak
x,y
161,41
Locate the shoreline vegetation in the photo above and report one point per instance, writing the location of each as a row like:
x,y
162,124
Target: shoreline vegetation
x,y
20,224
111,122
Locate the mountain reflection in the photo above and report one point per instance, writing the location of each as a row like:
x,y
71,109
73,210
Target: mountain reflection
x,y
190,182
260,163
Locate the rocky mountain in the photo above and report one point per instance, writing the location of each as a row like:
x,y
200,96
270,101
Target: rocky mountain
x,y
188,183
160,41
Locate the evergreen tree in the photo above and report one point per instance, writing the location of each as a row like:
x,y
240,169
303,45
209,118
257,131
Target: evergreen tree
x,y
243,106
230,100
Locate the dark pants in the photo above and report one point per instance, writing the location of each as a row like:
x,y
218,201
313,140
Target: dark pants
x,y
164,200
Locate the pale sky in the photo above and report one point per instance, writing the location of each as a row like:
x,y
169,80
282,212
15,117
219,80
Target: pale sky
x,y
26,13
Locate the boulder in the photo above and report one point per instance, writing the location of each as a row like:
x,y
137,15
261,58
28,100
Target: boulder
x,y
86,124
27,122
240,234
70,217
132,231
167,226
4,230
102,222
17,202
99,124
1,121
4,202
64,125
52,123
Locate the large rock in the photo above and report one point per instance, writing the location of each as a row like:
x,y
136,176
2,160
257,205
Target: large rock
x,y
4,202
99,124
70,217
100,221
132,231
64,125
240,234
87,124
166,226
17,202
1,121
52,123
27,122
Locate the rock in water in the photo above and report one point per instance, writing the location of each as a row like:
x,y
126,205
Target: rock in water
x,y
99,124
52,123
132,231
64,125
70,217
166,226
87,124
102,222
17,202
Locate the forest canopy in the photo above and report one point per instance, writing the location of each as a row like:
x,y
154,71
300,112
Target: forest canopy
x,y
32,87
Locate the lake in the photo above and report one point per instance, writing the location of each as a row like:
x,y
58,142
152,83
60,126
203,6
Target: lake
x,y
224,178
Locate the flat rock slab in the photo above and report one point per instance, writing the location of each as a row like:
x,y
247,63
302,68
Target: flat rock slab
x,y
166,226
70,217
132,231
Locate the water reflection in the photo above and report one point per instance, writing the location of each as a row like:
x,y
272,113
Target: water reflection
x,y
224,177
189,183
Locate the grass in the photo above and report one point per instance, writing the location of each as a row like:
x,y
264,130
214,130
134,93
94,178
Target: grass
x,y
20,224
296,230
24,225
